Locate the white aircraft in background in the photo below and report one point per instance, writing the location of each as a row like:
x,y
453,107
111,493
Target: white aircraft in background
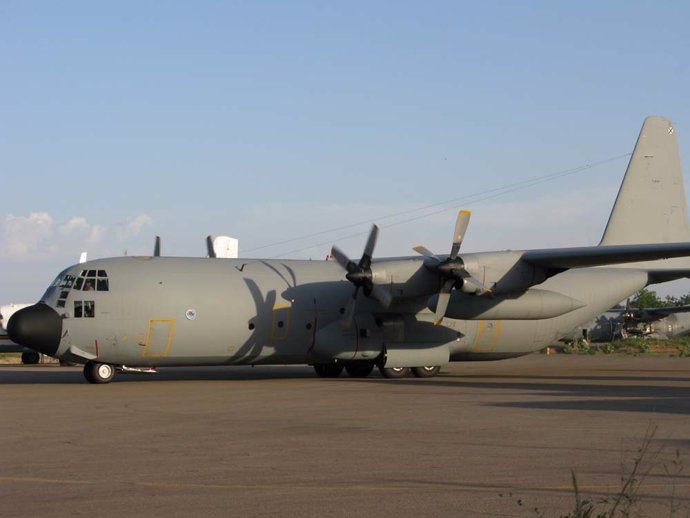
x,y
8,346
29,356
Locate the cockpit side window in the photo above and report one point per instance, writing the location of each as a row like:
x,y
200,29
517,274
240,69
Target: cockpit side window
x,y
84,309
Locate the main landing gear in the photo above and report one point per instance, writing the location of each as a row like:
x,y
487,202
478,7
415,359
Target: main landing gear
x,y
362,369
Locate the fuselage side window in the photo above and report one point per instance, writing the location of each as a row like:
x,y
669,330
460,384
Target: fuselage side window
x,y
77,309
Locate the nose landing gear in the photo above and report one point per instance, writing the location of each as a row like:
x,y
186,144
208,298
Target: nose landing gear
x,y
96,372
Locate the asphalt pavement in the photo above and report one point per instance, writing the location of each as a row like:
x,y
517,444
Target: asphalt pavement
x,y
480,439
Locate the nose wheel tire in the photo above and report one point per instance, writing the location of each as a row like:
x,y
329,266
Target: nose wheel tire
x,y
31,358
95,372
425,372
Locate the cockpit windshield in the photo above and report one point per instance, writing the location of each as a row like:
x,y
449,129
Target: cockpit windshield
x,y
64,280
87,280
92,280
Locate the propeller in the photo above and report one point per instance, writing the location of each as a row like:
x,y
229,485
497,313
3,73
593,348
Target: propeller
x,y
209,247
157,247
627,313
452,270
361,276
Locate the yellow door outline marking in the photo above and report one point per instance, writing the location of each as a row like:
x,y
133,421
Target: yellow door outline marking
x,y
493,339
279,333
171,332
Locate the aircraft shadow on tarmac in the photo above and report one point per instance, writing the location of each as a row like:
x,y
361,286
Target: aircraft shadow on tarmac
x,y
20,375
593,393
597,395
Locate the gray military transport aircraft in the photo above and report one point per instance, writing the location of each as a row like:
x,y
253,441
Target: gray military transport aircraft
x,y
403,314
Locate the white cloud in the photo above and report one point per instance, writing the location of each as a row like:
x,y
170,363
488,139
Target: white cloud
x,y
24,236
97,234
132,226
32,236
75,225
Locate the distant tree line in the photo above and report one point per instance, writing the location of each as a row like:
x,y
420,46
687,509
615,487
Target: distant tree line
x,y
648,299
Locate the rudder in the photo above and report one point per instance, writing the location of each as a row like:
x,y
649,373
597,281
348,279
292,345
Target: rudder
x,y
651,206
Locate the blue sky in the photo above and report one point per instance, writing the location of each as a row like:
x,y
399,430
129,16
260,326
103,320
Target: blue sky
x,y
268,121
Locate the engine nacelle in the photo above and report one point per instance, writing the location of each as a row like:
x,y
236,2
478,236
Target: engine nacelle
x,y
533,304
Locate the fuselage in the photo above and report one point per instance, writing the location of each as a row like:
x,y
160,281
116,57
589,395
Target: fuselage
x,y
156,311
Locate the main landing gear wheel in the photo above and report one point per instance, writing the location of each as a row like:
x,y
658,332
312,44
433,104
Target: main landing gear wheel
x,y
328,370
425,372
359,369
95,372
394,372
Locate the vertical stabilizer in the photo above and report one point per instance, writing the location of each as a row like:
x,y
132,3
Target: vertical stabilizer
x,y
651,206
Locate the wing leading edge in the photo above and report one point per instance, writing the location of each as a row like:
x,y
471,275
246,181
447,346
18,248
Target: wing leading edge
x,y
587,256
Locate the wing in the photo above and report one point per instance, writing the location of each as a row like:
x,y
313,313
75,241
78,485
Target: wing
x,y
560,259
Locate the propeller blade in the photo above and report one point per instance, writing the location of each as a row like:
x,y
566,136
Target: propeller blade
x,y
340,257
157,247
426,252
365,261
349,314
461,223
381,294
473,285
441,307
443,299
209,247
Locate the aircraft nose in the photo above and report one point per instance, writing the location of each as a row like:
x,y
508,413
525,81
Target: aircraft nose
x,y
38,327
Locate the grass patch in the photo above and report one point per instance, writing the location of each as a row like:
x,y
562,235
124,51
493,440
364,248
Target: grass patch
x,y
634,346
627,500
